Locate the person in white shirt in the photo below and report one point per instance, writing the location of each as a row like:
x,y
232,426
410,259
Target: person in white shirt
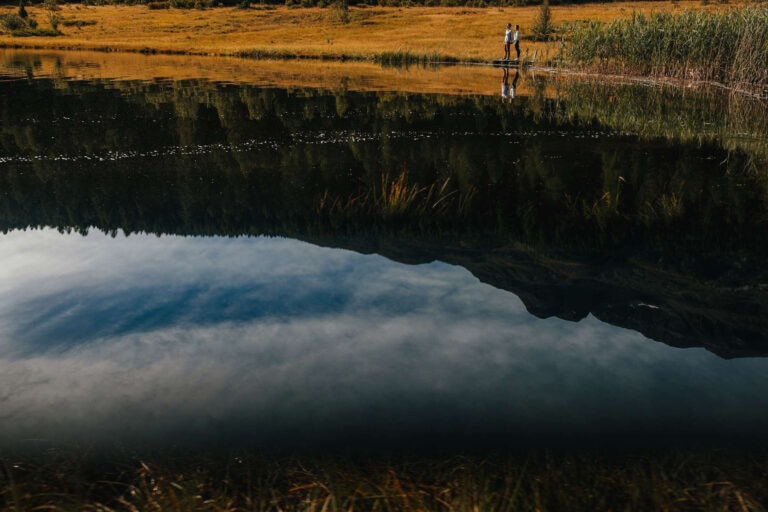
x,y
516,40
507,41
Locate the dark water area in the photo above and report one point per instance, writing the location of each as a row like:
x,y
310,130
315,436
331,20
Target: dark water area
x,y
194,263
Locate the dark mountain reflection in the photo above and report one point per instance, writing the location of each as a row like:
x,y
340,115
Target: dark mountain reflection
x,y
554,197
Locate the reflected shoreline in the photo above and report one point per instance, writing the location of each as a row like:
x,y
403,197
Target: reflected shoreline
x,y
325,75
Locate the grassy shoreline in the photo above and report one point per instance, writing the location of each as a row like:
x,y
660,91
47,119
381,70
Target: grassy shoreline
x,y
377,34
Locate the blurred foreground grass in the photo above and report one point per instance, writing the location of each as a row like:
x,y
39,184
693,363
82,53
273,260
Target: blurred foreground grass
x,y
537,481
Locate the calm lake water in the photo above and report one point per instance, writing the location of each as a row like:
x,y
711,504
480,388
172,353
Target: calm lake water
x,y
347,264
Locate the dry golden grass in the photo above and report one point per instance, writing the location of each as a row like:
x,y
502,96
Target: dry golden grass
x,y
673,482
460,33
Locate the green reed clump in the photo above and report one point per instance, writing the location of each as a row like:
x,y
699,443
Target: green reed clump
x,y
404,58
78,23
22,25
730,46
265,53
12,22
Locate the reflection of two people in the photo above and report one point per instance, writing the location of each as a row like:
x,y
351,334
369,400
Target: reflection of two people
x,y
507,89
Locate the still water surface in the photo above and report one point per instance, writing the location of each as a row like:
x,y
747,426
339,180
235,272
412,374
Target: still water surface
x,y
273,341
195,263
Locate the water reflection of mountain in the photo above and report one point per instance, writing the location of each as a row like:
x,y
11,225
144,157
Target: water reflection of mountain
x,y
659,233
679,307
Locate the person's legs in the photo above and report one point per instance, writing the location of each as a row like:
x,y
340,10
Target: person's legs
x,y
517,49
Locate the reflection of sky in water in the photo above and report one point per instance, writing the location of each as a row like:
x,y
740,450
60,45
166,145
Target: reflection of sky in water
x,y
278,341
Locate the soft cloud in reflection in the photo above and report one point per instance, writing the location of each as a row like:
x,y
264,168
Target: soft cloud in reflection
x,y
270,341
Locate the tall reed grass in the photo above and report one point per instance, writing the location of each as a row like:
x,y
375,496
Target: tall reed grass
x,y
729,46
722,482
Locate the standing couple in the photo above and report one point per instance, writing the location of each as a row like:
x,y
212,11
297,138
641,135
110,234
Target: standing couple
x,y
510,38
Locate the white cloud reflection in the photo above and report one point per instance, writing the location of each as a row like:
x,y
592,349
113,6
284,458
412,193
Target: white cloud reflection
x,y
268,339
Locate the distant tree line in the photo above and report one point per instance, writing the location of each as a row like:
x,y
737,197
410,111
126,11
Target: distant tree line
x,y
312,3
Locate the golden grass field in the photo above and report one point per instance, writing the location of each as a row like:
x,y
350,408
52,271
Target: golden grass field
x,y
466,34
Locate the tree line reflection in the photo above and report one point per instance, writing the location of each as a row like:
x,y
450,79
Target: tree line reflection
x,y
201,158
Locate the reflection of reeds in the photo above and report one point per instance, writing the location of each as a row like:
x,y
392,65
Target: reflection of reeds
x,y
605,210
398,198
668,207
604,207
671,205
734,121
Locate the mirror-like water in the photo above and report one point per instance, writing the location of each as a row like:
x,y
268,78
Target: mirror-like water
x,y
271,341
273,266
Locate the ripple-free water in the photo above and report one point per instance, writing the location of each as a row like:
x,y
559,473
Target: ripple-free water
x,y
272,342
206,264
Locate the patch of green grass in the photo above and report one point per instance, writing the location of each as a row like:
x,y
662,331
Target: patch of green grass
x,y
265,53
19,26
77,23
404,58
395,58
13,22
29,32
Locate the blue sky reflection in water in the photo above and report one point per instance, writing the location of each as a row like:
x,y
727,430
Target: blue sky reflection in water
x,y
272,342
